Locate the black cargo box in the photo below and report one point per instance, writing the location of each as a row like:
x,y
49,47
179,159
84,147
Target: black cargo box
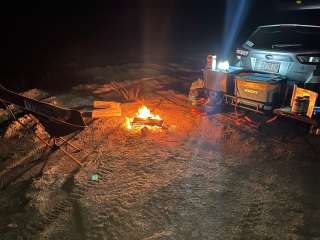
x,y
266,89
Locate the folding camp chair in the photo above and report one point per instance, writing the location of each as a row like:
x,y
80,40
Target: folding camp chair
x,y
58,122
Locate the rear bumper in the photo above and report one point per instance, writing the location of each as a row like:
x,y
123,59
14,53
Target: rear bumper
x,y
224,82
294,71
248,104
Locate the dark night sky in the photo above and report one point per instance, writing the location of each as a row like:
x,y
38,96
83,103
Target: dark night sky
x,y
44,35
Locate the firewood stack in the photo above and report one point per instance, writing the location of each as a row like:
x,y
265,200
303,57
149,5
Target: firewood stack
x,y
104,109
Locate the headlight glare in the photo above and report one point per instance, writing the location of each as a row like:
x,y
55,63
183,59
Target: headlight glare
x,y
223,65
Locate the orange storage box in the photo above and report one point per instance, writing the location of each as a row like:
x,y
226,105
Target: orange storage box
x,y
259,87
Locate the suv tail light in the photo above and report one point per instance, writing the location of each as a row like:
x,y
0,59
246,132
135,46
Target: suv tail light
x,y
309,59
242,52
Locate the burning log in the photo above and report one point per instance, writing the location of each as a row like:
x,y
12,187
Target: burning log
x,y
144,118
148,121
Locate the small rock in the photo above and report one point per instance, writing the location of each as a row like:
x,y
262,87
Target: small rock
x,y
12,225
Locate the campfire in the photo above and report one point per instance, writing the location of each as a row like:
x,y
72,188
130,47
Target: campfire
x,y
144,118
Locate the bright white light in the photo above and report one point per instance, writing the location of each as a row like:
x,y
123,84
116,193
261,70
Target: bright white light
x,y
224,65
214,62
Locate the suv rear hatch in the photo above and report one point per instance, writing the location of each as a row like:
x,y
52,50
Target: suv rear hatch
x,y
288,50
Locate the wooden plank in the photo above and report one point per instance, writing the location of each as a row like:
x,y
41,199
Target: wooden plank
x,y
286,112
106,104
104,109
102,113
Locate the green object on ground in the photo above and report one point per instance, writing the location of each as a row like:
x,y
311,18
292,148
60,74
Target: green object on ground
x,y
94,177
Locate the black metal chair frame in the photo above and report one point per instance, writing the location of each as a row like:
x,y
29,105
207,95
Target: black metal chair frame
x,y
56,140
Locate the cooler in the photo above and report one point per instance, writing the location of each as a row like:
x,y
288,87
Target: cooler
x,y
264,89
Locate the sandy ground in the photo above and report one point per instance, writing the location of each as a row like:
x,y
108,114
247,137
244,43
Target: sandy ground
x,y
202,177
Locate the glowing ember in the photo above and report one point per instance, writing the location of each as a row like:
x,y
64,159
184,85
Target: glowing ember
x,y
144,118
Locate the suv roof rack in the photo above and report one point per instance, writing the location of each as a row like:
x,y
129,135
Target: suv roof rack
x,y
289,25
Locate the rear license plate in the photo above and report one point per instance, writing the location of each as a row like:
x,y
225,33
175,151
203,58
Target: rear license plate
x,y
272,67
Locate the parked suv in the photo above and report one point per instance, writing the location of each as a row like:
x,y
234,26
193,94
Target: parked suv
x,y
290,50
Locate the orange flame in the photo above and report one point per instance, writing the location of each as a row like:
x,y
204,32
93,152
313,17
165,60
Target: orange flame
x,y
144,113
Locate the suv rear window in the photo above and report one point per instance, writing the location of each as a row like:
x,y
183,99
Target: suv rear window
x,y
285,37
